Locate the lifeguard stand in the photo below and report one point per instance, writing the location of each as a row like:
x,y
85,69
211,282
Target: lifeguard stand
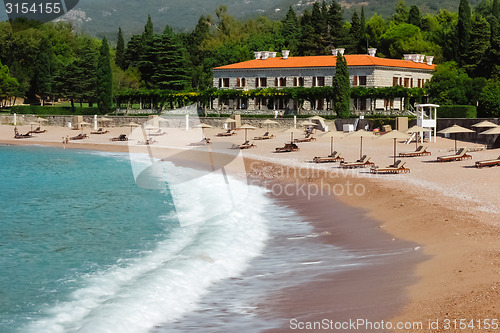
x,y
427,118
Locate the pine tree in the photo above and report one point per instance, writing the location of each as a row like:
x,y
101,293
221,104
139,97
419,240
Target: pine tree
x,y
307,39
45,71
338,34
104,87
120,50
400,12
290,30
135,47
148,29
464,28
494,50
496,9
414,16
342,98
476,64
362,45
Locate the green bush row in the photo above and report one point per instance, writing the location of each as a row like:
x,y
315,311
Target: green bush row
x,y
457,111
53,110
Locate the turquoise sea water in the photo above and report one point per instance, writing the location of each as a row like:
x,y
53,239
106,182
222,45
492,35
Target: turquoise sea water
x,y
84,249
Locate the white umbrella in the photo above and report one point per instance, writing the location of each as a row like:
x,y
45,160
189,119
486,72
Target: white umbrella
x,y
417,129
395,134
331,135
485,124
455,129
203,126
361,134
492,131
83,123
269,122
132,124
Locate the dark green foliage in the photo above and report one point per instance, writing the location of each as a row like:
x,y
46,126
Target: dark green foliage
x,y
342,86
362,44
169,64
8,85
53,110
355,34
464,30
489,100
290,31
496,9
477,64
104,89
46,69
400,12
414,16
120,50
457,111
135,47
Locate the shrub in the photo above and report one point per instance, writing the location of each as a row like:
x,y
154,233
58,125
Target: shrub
x,y
457,111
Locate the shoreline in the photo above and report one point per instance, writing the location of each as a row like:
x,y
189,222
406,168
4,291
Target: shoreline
x,y
458,279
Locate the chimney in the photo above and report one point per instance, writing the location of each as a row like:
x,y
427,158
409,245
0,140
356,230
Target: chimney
x,y
372,51
335,52
264,55
341,51
413,57
285,54
257,55
421,58
272,54
407,56
429,60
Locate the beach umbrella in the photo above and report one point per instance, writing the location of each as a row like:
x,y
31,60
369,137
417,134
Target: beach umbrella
x,y
331,135
293,130
455,129
307,124
269,122
229,120
83,123
417,129
485,124
104,120
316,118
361,134
395,134
247,127
203,126
491,131
132,124
149,129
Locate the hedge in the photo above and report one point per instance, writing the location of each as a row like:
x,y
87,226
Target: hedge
x,y
457,111
53,110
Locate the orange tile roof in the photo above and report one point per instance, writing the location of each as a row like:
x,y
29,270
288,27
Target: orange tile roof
x,y
325,61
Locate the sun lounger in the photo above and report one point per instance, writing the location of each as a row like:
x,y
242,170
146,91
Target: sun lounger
x,y
157,133
22,136
100,131
363,162
245,145
79,137
397,167
334,157
308,138
420,151
38,131
289,147
488,163
460,155
227,133
122,137
266,136
205,141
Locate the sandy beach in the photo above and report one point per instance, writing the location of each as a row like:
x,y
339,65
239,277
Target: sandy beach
x,y
447,212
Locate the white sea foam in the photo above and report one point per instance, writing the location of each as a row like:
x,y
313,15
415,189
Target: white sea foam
x,y
161,285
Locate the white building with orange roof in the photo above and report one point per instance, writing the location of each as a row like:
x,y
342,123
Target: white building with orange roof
x,y
367,70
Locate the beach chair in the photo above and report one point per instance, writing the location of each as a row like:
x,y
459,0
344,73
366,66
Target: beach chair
x,y
203,142
334,157
157,133
397,167
22,136
289,147
227,133
420,151
307,138
460,155
245,145
363,162
100,131
79,137
266,136
488,163
121,137
38,130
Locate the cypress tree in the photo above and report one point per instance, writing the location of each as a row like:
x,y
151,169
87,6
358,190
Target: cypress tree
x,y
464,28
496,9
494,50
307,40
338,33
45,72
135,47
362,45
120,50
148,29
290,30
479,45
104,79
169,63
342,98
355,33
414,16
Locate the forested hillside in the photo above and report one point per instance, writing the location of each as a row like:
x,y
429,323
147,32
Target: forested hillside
x,y
54,62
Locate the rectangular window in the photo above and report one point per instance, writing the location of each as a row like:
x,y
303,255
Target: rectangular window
x,y
321,81
394,81
220,83
419,83
407,82
411,83
243,82
238,82
355,81
301,81
295,82
314,81
276,83
263,82
362,80
282,81
400,81
225,82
